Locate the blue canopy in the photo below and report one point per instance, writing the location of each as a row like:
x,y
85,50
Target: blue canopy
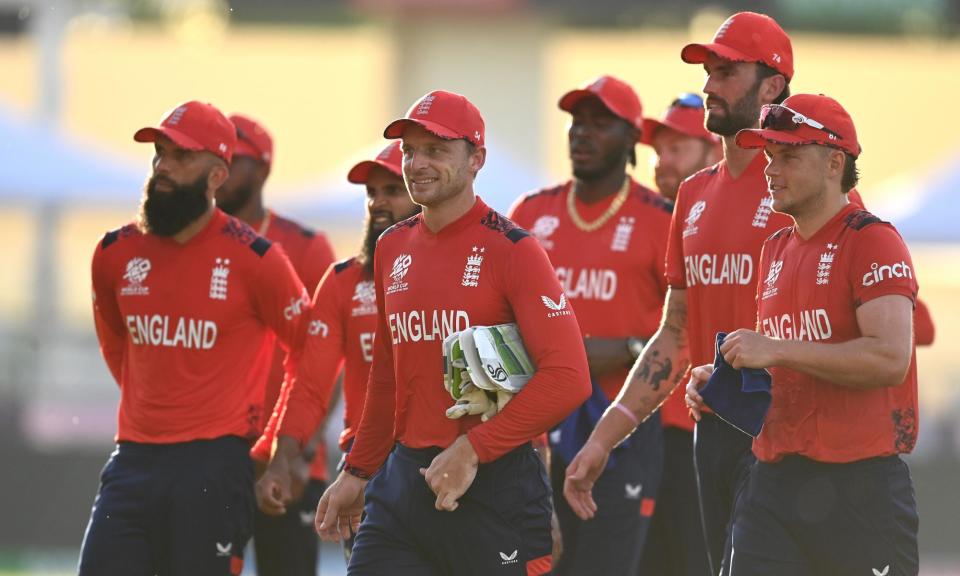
x,y
39,164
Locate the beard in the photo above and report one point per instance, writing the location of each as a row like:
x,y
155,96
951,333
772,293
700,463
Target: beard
x,y
166,213
240,197
743,114
372,232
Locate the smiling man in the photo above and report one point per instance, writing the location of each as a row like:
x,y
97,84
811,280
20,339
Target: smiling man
x,y
188,305
606,236
829,494
453,496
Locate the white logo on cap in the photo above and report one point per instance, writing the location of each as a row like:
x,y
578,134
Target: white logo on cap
x,y
776,57
423,108
222,147
476,135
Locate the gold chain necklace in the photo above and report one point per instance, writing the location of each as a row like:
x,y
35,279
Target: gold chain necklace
x,y
614,207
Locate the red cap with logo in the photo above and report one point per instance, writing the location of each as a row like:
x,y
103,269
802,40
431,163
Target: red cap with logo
x,y
618,96
804,119
444,114
390,159
747,37
253,140
195,126
685,115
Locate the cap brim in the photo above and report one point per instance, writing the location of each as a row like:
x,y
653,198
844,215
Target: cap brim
x,y
247,149
651,125
571,98
698,53
360,173
179,138
395,129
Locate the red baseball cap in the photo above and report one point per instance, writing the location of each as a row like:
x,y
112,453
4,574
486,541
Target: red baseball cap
x,y
794,123
747,37
195,126
253,140
618,96
390,159
444,114
684,115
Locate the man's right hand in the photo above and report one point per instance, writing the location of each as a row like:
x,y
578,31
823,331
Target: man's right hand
x,y
273,489
340,508
698,379
581,474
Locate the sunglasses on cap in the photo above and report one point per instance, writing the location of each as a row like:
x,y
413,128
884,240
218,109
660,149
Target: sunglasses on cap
x,y
687,100
779,117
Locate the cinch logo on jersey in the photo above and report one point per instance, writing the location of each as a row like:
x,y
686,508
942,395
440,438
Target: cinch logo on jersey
x,y
401,264
621,236
716,269
807,325
589,284
136,274
296,306
543,228
696,211
426,326
878,273
318,327
556,308
157,330
365,294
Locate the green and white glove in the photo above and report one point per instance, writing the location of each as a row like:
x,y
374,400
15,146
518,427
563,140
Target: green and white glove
x,y
484,367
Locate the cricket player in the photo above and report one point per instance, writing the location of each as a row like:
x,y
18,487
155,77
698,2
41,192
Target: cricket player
x,y
829,494
187,303
454,496
340,333
285,545
683,144
675,545
721,217
606,236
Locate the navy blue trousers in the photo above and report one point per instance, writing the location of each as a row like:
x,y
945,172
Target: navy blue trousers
x,y
171,510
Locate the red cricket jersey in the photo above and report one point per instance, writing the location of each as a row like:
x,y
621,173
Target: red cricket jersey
x,y
479,270
613,276
339,333
187,329
811,290
719,225
310,254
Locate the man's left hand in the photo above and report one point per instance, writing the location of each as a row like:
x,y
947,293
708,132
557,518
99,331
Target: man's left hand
x,y
451,473
749,349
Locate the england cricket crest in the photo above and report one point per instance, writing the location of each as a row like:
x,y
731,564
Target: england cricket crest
x,y
218,279
621,236
825,264
471,271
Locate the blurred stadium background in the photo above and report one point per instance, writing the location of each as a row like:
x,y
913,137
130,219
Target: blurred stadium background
x,y
77,77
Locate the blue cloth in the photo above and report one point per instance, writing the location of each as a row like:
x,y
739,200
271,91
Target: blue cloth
x,y
740,397
575,429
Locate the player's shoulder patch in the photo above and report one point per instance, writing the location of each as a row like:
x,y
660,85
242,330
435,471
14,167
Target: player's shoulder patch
x,y
401,225
860,219
237,230
654,199
548,192
344,264
112,236
781,233
500,223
